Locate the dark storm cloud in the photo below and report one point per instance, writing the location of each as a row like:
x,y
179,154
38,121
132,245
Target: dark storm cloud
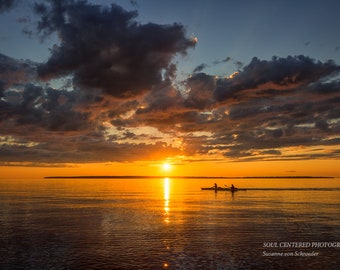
x,y
6,5
257,143
164,99
275,108
279,73
199,68
67,149
105,48
2,89
259,112
201,89
29,105
163,108
225,60
238,64
267,107
13,71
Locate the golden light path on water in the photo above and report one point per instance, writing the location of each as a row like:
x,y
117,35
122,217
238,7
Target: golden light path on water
x,y
166,185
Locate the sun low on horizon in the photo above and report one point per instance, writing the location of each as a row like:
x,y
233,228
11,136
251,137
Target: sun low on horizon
x,y
148,134
162,169
79,96
167,167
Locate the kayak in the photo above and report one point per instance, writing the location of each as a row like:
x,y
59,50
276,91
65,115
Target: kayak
x,y
223,189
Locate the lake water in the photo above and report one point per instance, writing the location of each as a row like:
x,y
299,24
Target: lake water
x,y
169,223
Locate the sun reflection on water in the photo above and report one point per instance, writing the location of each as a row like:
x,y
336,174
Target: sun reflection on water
x,y
166,199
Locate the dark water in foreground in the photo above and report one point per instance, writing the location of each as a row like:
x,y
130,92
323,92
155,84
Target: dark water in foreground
x,y
169,224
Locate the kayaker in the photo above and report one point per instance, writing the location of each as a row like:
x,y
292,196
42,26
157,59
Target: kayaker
x,y
232,188
215,186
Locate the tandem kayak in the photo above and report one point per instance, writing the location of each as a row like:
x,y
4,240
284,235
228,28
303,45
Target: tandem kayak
x,y
223,189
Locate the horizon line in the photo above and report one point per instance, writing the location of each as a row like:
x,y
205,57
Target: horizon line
x,y
185,177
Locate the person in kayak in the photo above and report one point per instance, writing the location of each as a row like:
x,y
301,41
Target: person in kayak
x,y
232,188
215,186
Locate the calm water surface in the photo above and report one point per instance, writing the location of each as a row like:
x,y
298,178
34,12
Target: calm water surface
x,y
168,224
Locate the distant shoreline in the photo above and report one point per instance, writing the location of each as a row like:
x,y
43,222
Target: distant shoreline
x,y
185,177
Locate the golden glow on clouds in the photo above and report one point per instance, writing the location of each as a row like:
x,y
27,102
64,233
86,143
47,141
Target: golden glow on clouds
x,y
194,38
10,140
233,75
131,114
141,135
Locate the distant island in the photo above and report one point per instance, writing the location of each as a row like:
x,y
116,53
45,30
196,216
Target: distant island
x,y
185,177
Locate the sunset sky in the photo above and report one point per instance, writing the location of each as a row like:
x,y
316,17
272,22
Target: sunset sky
x,y
212,88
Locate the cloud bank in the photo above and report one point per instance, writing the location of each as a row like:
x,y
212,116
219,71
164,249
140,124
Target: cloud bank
x,y
6,5
106,49
108,92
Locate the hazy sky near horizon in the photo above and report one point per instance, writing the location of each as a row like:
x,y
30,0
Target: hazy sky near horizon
x,y
123,81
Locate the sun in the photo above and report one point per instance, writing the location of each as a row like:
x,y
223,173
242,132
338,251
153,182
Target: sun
x,y
166,166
